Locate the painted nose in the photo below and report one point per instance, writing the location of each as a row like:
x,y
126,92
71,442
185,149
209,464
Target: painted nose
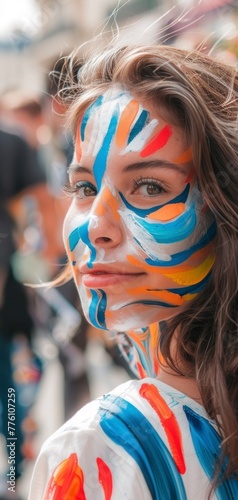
x,y
105,227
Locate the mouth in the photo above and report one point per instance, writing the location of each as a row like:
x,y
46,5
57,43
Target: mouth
x,y
103,278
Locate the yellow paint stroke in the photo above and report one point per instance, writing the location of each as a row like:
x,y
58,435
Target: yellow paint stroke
x,y
168,212
189,264
164,295
191,277
189,296
126,120
107,200
185,157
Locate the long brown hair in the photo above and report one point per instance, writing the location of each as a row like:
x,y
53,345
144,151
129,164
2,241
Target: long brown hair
x,y
200,95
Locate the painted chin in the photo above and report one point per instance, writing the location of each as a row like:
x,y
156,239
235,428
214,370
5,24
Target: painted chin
x,y
138,316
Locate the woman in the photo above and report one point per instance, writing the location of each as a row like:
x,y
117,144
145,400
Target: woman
x,y
151,237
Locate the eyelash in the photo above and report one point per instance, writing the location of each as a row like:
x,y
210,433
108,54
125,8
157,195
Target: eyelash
x,y
73,189
149,181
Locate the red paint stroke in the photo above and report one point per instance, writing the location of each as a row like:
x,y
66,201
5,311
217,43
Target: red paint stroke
x,y
105,478
66,481
157,142
168,421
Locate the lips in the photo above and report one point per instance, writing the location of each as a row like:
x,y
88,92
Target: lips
x,y
103,276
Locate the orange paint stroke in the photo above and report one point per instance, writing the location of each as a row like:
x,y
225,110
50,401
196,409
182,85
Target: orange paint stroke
x,y
126,120
107,200
164,295
78,149
154,335
137,338
141,371
168,212
168,421
67,481
105,478
185,157
190,263
71,257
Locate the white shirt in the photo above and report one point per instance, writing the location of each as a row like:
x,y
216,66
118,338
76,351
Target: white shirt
x,y
144,440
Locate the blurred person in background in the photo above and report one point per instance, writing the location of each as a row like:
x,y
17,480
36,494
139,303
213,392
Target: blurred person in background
x,y
40,118
19,172
29,251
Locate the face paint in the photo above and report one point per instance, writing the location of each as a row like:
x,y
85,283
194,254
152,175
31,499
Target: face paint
x,y
138,236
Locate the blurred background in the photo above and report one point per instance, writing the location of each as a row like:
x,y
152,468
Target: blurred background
x,y
49,354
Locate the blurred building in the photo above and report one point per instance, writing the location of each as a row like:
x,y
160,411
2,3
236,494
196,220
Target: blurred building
x,y
55,27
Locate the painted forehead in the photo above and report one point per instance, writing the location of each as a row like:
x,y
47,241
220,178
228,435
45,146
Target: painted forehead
x,y
118,118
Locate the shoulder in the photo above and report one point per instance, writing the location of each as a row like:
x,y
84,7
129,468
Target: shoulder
x,y
140,438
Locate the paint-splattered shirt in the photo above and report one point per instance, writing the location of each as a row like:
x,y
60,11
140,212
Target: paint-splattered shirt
x,y
144,440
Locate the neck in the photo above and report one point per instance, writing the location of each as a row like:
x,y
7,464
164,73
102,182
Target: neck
x,y
141,350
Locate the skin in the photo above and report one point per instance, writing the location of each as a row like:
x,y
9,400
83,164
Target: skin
x,y
138,234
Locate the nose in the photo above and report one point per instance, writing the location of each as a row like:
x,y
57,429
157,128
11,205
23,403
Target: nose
x,y
105,227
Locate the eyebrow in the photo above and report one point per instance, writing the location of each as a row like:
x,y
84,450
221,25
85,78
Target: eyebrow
x,y
132,167
155,164
75,167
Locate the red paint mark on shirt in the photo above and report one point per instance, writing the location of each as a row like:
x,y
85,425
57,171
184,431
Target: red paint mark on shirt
x,y
168,421
66,481
157,142
105,478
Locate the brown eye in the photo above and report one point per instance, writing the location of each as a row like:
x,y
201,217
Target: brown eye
x,y
88,191
148,187
154,189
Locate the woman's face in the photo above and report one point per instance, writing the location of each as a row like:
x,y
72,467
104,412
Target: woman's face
x,y
138,234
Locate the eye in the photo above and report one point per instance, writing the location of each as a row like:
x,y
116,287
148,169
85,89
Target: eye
x,y
148,187
82,189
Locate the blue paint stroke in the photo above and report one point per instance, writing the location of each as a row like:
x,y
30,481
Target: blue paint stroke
x,y
100,163
74,238
81,233
101,309
149,303
145,361
143,212
97,309
186,289
172,231
207,444
126,426
90,110
180,257
136,129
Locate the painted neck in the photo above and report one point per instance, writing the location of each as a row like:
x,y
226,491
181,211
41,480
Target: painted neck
x,y
140,348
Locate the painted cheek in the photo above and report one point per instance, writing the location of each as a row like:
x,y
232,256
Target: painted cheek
x,y
79,240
